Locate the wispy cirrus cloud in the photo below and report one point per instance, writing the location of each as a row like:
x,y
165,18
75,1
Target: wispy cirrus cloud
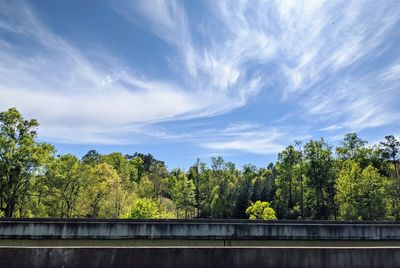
x,y
315,50
262,142
249,137
335,59
78,100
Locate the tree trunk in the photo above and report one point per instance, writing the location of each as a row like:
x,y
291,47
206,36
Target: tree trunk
x,y
302,197
290,192
395,167
9,211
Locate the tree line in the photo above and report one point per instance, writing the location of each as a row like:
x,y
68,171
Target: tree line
x,y
310,180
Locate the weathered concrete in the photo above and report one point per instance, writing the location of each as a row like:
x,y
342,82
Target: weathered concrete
x,y
200,257
197,229
193,243
208,243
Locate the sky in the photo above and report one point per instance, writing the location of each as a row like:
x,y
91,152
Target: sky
x,y
195,79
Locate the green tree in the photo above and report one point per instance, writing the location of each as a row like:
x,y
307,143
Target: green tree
x,y
101,182
348,190
194,175
157,172
300,174
223,194
144,208
206,186
21,158
354,148
350,146
263,185
321,177
125,168
65,179
118,201
261,211
287,197
145,187
137,163
34,202
373,199
184,194
361,193
390,148
244,191
91,158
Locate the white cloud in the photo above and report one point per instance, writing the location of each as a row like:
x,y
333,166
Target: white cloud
x,y
253,138
392,73
258,146
313,53
81,101
258,143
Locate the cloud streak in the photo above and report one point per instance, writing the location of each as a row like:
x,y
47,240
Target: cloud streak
x,y
330,58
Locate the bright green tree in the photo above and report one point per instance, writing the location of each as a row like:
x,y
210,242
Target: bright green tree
x,y
184,194
125,168
118,201
65,179
145,187
144,208
348,190
361,193
101,182
261,211
373,197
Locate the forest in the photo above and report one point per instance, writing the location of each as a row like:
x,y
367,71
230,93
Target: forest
x,y
309,180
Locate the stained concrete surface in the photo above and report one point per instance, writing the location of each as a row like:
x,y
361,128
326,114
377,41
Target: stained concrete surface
x,y
197,243
194,230
231,257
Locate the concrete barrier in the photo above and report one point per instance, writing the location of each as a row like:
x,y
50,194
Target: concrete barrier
x,y
197,243
226,230
200,257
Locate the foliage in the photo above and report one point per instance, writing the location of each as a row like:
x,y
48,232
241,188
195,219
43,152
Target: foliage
x,y
261,210
20,158
361,193
144,208
64,179
102,181
320,180
183,193
390,149
287,198
307,181
348,190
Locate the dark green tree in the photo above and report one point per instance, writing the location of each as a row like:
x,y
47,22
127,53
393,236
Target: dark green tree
x,y
321,178
390,148
244,191
287,196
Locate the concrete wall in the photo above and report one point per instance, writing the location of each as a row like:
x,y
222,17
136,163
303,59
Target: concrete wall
x,y
208,243
196,229
200,257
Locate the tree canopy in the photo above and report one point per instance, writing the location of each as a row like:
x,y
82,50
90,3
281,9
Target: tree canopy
x,y
310,180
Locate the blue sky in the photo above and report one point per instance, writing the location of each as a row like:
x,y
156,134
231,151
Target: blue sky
x,y
187,79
